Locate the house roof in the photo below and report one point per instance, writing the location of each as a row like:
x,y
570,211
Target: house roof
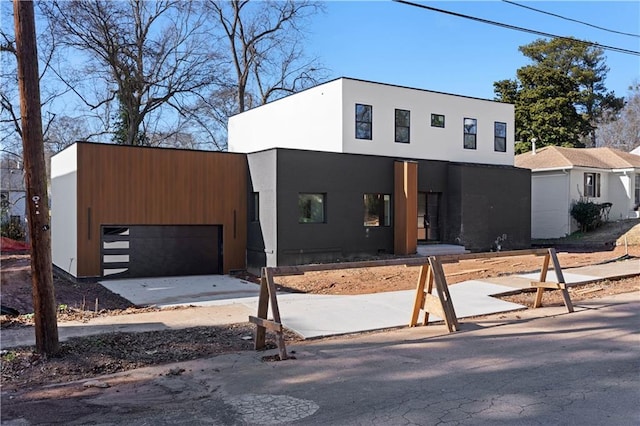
x,y
555,157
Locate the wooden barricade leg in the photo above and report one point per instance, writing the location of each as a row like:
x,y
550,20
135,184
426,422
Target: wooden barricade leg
x,y
418,303
429,291
560,275
443,294
543,278
268,295
561,285
263,308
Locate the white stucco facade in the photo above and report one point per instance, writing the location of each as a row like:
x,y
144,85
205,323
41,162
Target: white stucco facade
x,y
64,209
323,118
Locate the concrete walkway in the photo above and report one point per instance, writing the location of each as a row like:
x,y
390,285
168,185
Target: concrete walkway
x,y
226,300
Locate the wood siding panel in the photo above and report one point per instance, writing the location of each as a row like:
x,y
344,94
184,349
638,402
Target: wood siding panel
x,y
405,207
152,186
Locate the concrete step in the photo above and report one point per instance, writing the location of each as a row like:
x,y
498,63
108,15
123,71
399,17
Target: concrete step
x,y
440,249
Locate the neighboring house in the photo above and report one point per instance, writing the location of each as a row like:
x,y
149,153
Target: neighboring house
x,y
12,193
344,170
561,176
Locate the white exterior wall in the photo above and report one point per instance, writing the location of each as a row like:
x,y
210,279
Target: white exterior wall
x,y
323,119
426,142
619,193
64,210
308,120
550,217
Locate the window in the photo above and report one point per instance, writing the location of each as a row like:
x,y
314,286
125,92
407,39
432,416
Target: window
x,y
311,208
377,210
592,184
364,118
470,132
500,136
403,117
254,210
437,120
637,191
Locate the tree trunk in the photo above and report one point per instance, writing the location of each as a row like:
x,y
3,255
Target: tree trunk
x,y
44,304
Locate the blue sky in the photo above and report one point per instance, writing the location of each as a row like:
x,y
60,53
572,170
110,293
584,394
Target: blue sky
x,y
398,44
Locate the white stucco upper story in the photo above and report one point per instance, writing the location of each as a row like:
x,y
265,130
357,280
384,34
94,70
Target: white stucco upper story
x,y
391,121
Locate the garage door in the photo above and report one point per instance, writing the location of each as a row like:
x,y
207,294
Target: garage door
x,y
549,206
161,250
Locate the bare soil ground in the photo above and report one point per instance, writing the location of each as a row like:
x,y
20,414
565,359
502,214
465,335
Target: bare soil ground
x,y
91,356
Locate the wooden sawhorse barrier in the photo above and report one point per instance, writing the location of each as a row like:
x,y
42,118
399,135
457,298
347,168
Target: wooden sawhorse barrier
x,y
268,294
432,273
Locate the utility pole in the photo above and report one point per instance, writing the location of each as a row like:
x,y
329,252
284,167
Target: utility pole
x,y
44,302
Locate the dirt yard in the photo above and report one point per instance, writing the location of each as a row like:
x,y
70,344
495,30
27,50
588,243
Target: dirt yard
x,y
91,356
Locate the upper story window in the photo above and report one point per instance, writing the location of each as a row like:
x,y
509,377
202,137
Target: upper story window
x,y
470,133
500,136
592,184
311,208
377,210
364,119
437,120
403,119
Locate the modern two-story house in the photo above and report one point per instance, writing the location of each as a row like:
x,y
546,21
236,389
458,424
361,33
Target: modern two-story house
x,y
350,168
340,171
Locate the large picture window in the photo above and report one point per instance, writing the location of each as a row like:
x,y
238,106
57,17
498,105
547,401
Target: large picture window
x,y
470,133
403,119
377,210
311,208
592,185
364,120
500,137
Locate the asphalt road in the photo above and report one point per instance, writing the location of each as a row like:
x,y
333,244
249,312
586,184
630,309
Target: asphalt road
x,y
537,367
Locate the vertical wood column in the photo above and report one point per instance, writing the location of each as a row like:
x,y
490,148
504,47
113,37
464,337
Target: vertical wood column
x,y
405,221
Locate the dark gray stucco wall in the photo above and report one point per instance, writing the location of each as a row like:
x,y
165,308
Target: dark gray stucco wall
x,y
489,206
344,178
478,204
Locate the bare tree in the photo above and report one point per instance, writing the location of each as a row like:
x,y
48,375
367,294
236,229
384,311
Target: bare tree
x,y
142,58
621,129
10,120
265,53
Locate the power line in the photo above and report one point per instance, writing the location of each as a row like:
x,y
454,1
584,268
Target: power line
x,y
570,19
526,30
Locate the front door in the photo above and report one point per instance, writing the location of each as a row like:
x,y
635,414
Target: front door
x,y
429,216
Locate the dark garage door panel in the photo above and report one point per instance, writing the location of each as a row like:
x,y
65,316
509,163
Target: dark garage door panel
x,y
173,250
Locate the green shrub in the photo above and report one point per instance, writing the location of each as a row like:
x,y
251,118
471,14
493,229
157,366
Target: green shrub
x,y
587,214
13,230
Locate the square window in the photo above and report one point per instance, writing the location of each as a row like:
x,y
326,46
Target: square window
x,y
403,119
500,137
311,208
470,133
377,210
437,120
